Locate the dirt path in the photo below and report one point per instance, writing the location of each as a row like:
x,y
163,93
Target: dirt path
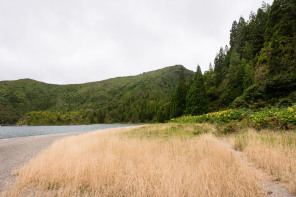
x,y
14,152
271,188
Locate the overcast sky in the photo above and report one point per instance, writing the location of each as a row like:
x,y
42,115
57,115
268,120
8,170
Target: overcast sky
x,y
77,41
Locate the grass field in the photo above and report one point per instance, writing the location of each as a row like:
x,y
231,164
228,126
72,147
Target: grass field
x,y
274,152
154,160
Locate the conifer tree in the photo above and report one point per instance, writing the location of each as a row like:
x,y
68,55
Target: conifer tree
x,y
197,101
178,102
219,66
211,67
233,33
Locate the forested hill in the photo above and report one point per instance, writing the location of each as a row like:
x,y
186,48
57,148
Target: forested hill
x,y
124,99
257,70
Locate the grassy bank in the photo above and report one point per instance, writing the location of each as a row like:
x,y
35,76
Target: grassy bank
x,y
265,118
154,160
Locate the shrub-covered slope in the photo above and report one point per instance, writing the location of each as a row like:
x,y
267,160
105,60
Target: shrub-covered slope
x,y
122,99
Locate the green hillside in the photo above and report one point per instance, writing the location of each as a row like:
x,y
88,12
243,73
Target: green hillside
x,y
257,70
123,99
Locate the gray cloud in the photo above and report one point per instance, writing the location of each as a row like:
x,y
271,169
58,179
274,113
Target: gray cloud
x,y
75,41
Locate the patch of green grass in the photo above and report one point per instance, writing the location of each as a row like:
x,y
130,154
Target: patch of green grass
x,y
284,139
163,131
240,141
268,138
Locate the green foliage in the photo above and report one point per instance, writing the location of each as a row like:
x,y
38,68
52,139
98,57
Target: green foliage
x,y
251,98
233,34
178,101
259,68
280,37
239,102
215,117
234,85
247,74
270,117
122,99
57,118
197,101
164,131
279,85
220,65
281,19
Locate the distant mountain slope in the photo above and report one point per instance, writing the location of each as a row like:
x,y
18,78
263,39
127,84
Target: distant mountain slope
x,y
122,99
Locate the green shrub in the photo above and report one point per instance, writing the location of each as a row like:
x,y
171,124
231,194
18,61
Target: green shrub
x,y
269,117
239,102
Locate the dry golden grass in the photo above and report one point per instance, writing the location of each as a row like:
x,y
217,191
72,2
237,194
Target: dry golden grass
x,y
116,164
274,152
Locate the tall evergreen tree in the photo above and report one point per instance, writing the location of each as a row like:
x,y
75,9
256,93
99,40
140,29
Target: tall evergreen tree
x,y
197,101
234,85
241,34
178,102
219,66
256,29
211,67
233,33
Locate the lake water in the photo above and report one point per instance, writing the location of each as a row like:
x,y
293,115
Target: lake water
x,y
22,131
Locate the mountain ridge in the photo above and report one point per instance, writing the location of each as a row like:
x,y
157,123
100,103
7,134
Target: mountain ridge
x,y
121,99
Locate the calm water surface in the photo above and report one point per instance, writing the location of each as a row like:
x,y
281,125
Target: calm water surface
x,y
22,131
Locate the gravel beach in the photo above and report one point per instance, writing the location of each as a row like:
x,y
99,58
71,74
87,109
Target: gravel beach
x,y
14,152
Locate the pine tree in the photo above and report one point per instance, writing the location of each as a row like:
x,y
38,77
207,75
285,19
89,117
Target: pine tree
x,y
178,101
211,67
256,29
219,66
197,101
234,85
233,33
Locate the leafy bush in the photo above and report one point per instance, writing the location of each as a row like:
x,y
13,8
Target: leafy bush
x,y
239,102
269,117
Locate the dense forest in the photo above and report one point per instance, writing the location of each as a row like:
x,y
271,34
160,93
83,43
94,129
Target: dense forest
x,y
140,98
257,70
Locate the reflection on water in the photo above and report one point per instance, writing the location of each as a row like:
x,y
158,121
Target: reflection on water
x,y
21,131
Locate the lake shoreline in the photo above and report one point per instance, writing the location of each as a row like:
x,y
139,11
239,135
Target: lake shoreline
x,y
7,132
14,152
